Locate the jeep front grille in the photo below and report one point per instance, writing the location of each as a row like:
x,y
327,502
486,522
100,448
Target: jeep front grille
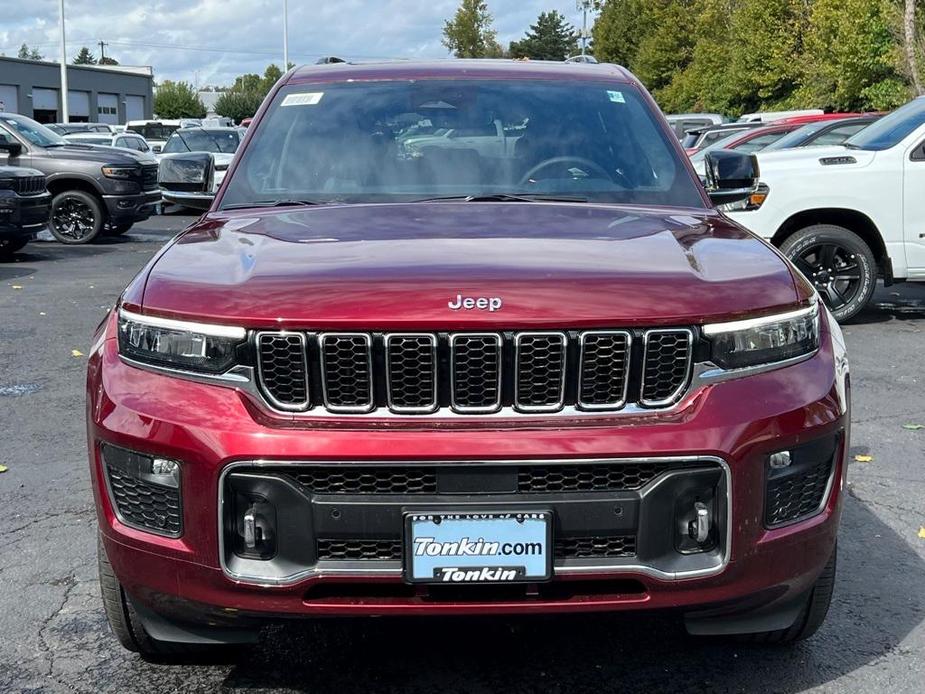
x,y
474,373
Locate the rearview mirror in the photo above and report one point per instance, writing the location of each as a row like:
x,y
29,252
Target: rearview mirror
x,y
730,176
14,149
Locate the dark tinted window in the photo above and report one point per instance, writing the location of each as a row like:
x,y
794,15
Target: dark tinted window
x,y
206,140
155,131
890,130
758,142
349,142
838,135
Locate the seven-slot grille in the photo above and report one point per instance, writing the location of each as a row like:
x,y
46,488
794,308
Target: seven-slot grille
x,y
474,373
29,185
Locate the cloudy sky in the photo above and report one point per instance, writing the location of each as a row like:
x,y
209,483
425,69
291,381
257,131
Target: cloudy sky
x,y
212,41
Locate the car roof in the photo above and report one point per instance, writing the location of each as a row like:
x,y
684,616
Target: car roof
x,y
456,68
207,128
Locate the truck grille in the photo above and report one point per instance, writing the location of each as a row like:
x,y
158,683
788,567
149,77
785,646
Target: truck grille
x,y
474,373
29,185
356,549
149,176
528,478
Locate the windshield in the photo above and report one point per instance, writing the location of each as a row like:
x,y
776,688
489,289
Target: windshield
x,y
36,133
200,140
890,130
798,136
411,140
153,131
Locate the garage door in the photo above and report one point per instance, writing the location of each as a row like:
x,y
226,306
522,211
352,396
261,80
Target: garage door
x,y
107,108
134,108
9,102
78,105
44,99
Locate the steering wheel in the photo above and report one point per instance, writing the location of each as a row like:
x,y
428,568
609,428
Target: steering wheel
x,y
558,161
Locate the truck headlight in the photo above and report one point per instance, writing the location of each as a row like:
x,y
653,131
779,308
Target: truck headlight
x,y
178,344
764,340
114,171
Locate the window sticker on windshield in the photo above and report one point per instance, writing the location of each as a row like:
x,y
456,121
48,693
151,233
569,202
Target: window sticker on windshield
x,y
304,99
616,97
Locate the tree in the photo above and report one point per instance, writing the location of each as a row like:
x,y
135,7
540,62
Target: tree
x,y
249,90
29,54
910,41
84,57
469,33
106,60
618,30
551,38
177,100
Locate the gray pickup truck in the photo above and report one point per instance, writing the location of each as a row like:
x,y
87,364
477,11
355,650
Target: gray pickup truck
x,y
94,189
24,204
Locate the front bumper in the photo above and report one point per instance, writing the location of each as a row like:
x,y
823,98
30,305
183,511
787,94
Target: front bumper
x,y
23,216
729,427
131,208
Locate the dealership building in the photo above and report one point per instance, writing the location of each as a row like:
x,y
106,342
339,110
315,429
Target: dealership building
x,y
96,93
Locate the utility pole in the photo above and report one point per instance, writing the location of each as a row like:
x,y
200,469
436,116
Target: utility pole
x,y
584,6
64,116
285,36
102,51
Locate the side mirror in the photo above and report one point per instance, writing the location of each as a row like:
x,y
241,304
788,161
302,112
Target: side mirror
x,y
730,176
14,149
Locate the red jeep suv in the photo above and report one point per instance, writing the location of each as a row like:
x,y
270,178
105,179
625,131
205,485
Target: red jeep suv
x,y
466,337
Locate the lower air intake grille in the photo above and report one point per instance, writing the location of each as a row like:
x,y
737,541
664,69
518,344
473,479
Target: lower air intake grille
x,y
603,477
596,547
368,480
799,495
146,505
359,550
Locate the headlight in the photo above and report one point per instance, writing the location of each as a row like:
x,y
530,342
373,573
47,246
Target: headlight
x,y
752,202
764,340
120,171
178,344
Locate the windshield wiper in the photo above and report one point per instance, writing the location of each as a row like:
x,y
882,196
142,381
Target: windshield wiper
x,y
506,197
273,203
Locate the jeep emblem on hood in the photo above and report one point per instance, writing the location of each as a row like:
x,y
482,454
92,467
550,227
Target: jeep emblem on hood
x,y
484,303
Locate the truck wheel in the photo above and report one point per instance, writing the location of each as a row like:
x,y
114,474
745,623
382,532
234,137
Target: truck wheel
x,y
126,625
840,265
813,614
76,217
9,246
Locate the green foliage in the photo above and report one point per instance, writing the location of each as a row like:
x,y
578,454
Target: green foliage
x,y
84,57
247,93
469,33
27,53
106,60
551,38
177,100
734,56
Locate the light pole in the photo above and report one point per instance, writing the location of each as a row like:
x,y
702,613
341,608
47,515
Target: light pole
x,y
64,118
285,36
584,6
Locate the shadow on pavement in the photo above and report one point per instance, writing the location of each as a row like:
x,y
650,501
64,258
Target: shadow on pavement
x,y
877,602
901,301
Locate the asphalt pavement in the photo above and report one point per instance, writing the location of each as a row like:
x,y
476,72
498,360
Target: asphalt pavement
x,y
54,638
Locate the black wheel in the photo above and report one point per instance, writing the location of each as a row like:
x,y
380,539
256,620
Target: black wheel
x,y
76,217
118,229
813,614
127,626
9,246
840,265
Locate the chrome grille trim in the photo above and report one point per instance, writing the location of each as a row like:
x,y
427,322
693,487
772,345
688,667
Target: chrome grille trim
x,y
300,406
679,391
359,408
475,409
430,406
518,368
583,337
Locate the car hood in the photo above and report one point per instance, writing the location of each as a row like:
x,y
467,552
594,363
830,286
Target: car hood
x,y
398,266
100,153
809,158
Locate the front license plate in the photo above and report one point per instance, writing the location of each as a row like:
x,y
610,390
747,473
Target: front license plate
x,y
453,548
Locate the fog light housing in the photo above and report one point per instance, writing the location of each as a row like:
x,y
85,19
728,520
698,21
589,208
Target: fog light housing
x,y
144,490
779,460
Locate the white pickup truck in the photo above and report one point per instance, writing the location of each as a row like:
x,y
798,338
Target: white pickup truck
x,y
848,214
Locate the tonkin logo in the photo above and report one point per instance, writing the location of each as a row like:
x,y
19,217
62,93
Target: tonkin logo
x,y
483,303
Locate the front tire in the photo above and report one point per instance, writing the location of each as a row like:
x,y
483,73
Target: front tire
x,y
76,217
126,624
838,263
812,615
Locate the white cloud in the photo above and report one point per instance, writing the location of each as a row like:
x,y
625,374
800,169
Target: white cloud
x,y
212,41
